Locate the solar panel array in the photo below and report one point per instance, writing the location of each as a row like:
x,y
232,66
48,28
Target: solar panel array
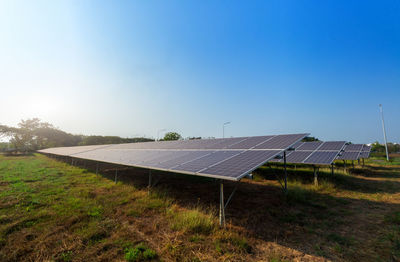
x,y
228,158
355,152
316,153
365,152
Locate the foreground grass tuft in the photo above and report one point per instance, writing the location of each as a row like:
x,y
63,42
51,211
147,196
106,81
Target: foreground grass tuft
x,y
192,221
139,253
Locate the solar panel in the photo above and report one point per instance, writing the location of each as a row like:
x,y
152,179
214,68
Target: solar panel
x,y
364,154
366,150
67,151
251,142
316,152
229,158
297,156
354,147
321,157
309,146
206,161
334,145
279,142
352,152
240,165
349,155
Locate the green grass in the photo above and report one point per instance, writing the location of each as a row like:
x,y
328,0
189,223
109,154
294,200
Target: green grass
x,y
52,211
139,253
192,221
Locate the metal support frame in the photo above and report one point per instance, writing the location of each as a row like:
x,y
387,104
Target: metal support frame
x,y
315,176
149,186
285,170
384,132
352,163
222,204
363,162
332,169
344,165
277,178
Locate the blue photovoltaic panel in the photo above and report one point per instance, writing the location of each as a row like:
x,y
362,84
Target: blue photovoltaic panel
x,y
316,153
334,145
242,164
229,158
353,147
352,152
225,143
349,155
321,157
364,154
67,151
179,160
297,157
206,161
366,148
310,146
279,142
250,142
297,145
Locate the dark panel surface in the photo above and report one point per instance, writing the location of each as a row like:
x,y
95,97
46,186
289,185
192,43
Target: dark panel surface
x,y
250,142
349,155
297,157
241,164
197,157
309,146
334,145
353,147
281,142
321,157
206,161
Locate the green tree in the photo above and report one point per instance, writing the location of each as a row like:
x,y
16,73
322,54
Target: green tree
x,y
310,139
172,136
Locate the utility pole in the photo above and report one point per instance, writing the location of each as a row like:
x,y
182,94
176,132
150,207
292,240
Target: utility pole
x,y
223,128
384,132
158,133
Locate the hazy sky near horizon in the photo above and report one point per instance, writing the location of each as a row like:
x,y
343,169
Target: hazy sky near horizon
x,y
130,68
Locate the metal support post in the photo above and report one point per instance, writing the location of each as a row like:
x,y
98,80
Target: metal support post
x,y
352,163
332,169
285,170
363,162
221,205
315,176
230,197
149,179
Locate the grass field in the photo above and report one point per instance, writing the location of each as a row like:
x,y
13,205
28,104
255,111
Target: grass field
x,y
52,211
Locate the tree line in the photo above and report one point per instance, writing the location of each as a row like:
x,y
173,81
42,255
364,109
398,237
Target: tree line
x,y
379,148
33,134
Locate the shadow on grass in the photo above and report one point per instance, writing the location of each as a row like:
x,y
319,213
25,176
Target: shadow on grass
x,y
338,180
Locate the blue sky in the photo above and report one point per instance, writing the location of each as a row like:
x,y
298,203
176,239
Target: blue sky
x,y
130,68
